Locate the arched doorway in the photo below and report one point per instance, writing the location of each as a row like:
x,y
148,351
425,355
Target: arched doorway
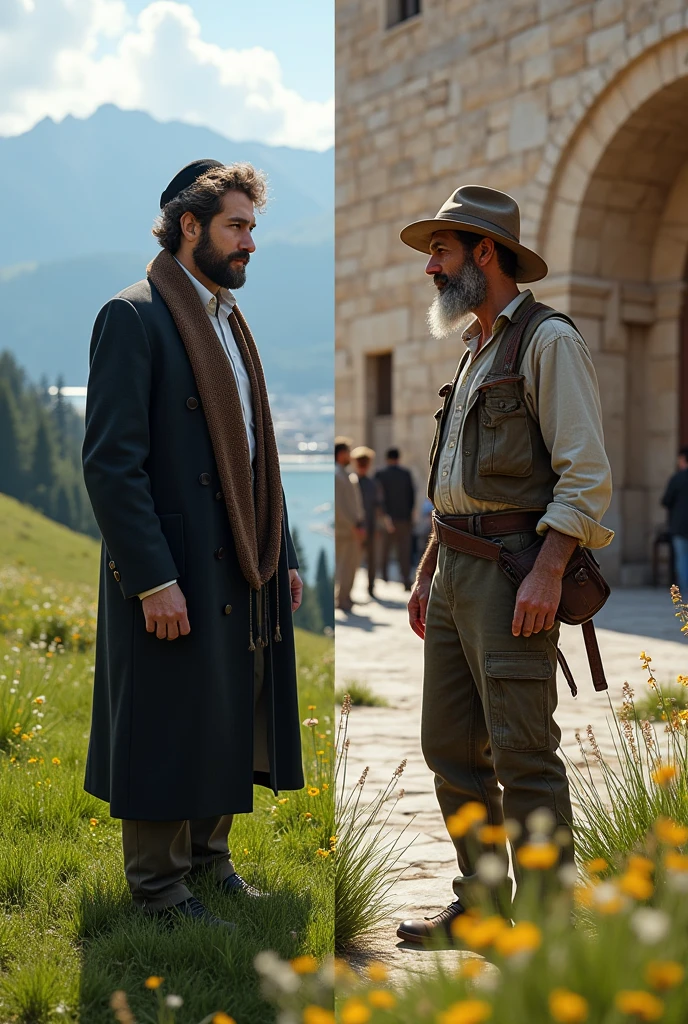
x,y
615,235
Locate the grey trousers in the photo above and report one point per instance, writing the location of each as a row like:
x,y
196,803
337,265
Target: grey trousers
x,y
159,856
347,561
488,703
400,541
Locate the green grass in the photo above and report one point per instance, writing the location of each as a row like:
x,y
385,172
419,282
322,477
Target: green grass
x,y
34,544
68,934
650,707
361,694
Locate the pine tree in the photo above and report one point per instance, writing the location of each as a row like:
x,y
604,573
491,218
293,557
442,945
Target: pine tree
x,y
60,416
324,586
11,477
43,469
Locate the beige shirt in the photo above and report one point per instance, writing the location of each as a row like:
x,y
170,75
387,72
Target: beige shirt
x,y
348,503
562,394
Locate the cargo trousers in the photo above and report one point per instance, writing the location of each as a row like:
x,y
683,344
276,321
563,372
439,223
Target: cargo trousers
x,y
488,703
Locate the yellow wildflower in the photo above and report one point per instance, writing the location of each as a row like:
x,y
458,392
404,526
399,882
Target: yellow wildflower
x,y
312,707
317,1015
320,752
640,1004
665,774
325,785
470,968
354,1011
93,821
669,833
470,814
322,853
468,1011
524,937
377,972
222,1018
313,791
567,1007
56,761
642,864
538,856
489,834
674,861
153,982
32,760
664,974
478,933
304,965
381,999
283,800
637,885
596,866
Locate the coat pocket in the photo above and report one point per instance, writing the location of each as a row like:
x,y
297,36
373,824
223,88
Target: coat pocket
x,y
504,445
173,531
518,693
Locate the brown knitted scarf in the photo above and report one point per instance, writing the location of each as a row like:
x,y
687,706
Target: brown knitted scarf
x,y
255,511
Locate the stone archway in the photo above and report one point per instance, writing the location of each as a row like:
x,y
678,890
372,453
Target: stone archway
x,y
614,232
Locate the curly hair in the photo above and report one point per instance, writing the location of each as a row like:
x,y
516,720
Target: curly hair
x,y
204,199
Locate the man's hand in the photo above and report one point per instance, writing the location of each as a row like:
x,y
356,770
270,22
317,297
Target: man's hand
x,y
296,587
418,604
165,613
539,595
537,601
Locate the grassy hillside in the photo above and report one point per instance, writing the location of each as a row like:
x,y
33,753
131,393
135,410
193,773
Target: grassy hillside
x,y
34,544
68,934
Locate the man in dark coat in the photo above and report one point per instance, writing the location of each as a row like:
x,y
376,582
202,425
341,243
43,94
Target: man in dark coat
x,y
195,694
675,499
399,495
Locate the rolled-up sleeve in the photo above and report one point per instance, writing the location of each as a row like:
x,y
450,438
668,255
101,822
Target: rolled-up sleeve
x,y
565,398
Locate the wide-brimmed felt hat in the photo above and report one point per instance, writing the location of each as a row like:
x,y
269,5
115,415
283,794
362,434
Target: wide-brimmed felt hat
x,y
487,212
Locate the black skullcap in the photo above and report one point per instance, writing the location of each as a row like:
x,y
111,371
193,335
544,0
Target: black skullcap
x,y
186,177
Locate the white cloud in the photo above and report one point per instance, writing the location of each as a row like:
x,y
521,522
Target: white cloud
x,y
60,57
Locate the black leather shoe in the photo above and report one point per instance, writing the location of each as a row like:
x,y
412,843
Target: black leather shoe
x,y
191,910
428,929
235,884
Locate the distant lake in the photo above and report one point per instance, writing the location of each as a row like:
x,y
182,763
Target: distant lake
x,y
309,490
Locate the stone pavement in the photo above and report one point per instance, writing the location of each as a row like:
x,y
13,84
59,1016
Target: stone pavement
x,y
375,645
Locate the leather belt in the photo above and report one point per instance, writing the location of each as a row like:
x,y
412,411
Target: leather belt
x,y
491,524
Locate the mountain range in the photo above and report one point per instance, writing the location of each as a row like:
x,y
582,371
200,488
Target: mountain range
x,y
79,200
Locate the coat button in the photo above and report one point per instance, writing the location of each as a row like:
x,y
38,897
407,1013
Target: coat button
x,y
227,609
117,576
192,403
218,496
111,565
204,479
220,553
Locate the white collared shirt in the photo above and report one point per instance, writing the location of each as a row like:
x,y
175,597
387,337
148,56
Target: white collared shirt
x,y
224,332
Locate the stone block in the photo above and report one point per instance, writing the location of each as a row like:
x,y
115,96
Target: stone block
x,y
531,43
528,125
607,12
572,26
563,92
499,86
600,44
537,70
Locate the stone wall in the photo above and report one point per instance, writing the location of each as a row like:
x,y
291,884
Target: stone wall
x,y
577,109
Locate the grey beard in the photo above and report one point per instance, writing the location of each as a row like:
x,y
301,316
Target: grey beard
x,y
461,294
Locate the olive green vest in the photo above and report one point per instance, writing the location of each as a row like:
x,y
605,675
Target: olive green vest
x,y
505,459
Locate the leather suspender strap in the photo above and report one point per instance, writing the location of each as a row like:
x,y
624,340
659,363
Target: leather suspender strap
x,y
599,680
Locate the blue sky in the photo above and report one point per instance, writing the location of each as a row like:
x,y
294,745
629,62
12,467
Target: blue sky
x,y
261,71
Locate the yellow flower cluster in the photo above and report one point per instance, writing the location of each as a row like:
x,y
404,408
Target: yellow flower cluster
x,y
567,1007
466,817
479,933
639,1004
468,1011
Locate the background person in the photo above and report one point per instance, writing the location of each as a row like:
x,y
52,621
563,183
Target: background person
x,y
398,495
349,525
195,696
371,494
676,501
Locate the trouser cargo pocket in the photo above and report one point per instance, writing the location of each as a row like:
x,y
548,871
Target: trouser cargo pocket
x,y
518,695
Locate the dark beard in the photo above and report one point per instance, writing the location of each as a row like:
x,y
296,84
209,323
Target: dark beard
x,y
215,265
462,293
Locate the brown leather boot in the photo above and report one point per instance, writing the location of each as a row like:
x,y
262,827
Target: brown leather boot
x,y
429,929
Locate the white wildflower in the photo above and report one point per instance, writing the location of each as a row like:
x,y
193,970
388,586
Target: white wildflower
x,y
541,822
491,869
650,925
174,1002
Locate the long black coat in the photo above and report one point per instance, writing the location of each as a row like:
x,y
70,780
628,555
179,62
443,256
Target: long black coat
x,y
172,725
